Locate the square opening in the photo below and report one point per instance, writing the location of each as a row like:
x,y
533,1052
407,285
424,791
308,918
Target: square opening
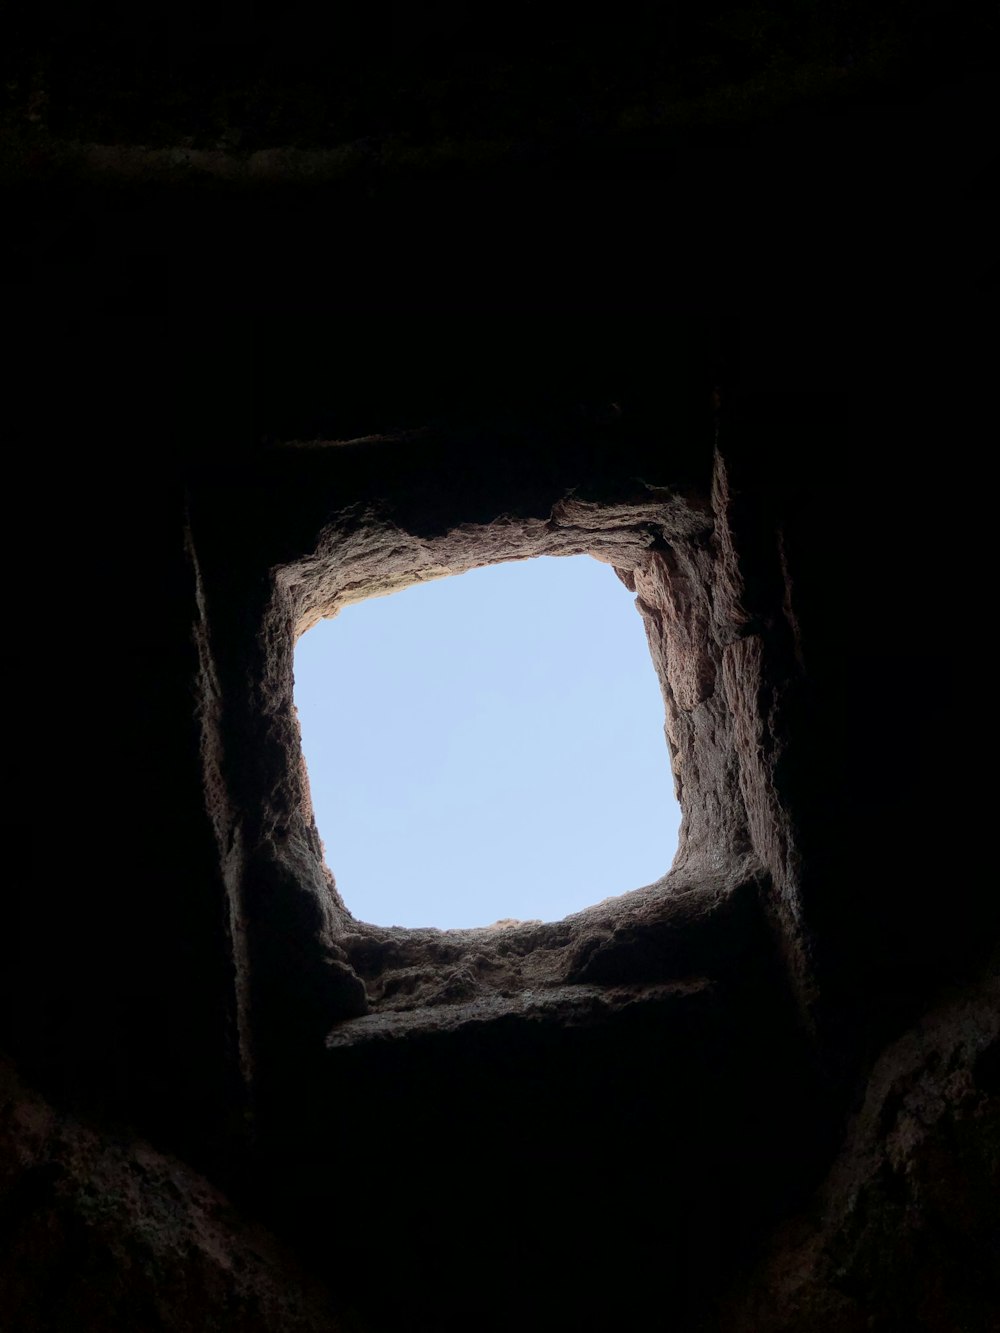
x,y
488,747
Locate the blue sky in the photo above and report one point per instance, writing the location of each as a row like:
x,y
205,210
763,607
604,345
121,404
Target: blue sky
x,y
487,745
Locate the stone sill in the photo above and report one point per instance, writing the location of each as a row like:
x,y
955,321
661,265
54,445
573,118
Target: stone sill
x,y
562,1006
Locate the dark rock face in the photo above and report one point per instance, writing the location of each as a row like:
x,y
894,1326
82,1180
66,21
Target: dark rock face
x,y
732,353
103,1232
904,1233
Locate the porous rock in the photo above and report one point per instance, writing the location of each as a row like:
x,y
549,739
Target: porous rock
x,y
299,328
102,1232
905,1232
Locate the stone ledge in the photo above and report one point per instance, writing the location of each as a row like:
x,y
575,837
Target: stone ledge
x,y
566,1006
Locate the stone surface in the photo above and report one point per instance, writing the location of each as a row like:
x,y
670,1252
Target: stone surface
x,y
712,956
650,1090
906,1230
739,355
102,1232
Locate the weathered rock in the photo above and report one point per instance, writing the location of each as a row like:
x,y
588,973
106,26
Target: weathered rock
x,y
757,394
102,1232
906,1231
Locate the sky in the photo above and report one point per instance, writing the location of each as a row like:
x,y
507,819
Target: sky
x,y
487,746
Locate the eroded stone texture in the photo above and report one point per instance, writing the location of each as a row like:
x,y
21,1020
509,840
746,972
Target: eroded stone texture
x,y
597,1123
674,929
718,664
398,534
102,1232
906,1230
422,1036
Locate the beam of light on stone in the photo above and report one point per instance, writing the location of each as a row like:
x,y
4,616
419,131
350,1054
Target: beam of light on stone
x,y
487,746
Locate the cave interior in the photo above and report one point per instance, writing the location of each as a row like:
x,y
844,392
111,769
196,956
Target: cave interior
x,y
722,343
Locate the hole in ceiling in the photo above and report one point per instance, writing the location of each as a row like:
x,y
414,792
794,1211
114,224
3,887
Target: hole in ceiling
x,y
487,746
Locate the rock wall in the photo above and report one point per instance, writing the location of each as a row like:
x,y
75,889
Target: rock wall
x,y
103,1232
890,1242
735,354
